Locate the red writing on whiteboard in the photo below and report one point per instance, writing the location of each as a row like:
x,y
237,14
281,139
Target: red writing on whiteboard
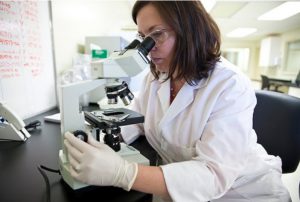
x,y
21,48
9,42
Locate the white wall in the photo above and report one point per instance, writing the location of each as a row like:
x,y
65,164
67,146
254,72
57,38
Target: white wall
x,y
73,20
281,71
286,38
252,71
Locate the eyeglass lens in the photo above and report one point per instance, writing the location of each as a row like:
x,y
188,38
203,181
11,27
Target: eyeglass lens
x,y
159,36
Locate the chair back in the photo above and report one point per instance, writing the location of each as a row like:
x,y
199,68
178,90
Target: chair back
x,y
276,121
265,83
297,81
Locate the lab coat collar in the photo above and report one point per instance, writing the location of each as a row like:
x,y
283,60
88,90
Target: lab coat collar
x,y
183,99
164,95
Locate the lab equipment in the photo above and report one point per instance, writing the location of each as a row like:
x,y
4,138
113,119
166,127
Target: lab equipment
x,y
128,62
12,127
81,135
109,121
118,90
101,43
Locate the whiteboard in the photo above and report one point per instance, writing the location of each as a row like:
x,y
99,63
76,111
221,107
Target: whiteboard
x,y
27,71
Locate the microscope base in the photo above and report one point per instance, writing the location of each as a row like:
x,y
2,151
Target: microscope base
x,y
127,152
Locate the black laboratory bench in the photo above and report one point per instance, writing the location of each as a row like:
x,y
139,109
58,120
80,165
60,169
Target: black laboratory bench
x,y
20,179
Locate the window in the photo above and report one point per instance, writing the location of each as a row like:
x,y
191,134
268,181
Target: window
x,y
293,56
238,56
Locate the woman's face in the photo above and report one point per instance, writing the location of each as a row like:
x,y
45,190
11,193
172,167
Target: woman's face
x,y
150,22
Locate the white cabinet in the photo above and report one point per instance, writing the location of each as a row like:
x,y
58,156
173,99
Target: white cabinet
x,y
270,52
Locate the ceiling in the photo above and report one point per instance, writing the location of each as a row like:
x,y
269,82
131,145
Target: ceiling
x,y
230,14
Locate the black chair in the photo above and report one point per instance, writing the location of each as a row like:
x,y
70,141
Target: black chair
x,y
297,80
267,85
276,121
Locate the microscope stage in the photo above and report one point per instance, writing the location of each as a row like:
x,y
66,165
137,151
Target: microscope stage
x,y
122,117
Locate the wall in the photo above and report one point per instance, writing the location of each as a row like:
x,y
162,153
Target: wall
x,y
254,70
288,37
73,20
285,38
254,54
281,71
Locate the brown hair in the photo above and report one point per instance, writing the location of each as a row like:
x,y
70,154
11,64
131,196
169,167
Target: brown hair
x,y
198,40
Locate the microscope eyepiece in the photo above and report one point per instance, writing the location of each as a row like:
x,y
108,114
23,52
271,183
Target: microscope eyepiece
x,y
146,45
133,44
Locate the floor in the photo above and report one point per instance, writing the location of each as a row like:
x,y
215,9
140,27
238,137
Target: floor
x,y
291,181
289,90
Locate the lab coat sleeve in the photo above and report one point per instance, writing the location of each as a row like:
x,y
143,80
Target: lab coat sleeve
x,y
220,152
131,132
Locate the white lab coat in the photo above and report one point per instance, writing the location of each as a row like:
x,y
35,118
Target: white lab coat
x,y
206,141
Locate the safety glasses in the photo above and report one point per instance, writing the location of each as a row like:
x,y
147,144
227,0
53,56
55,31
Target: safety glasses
x,y
159,36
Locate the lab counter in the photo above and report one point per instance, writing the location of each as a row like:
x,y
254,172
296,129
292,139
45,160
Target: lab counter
x,y
20,179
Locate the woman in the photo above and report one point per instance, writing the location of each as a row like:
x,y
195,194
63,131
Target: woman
x,y
198,117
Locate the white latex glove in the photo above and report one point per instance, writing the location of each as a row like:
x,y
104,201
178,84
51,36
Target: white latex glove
x,y
96,163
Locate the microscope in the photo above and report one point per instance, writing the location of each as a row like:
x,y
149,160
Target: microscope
x,y
12,127
125,63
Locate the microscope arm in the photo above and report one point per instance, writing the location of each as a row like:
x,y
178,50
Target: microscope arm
x,y
71,117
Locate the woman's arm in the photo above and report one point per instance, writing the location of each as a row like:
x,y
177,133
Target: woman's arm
x,y
150,179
